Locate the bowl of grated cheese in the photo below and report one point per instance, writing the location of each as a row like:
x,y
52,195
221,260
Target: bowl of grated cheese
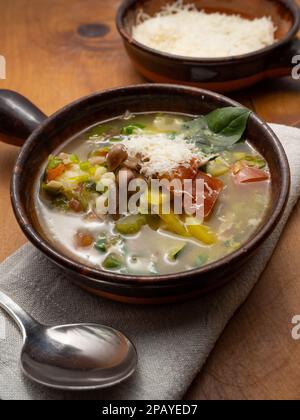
x,y
213,44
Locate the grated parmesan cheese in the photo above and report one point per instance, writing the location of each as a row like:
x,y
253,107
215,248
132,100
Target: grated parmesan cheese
x,y
181,29
160,153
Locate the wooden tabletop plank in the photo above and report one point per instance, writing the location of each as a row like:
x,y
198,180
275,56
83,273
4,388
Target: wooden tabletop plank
x,y
50,63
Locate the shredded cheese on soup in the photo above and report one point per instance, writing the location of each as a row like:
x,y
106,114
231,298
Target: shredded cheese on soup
x,y
159,153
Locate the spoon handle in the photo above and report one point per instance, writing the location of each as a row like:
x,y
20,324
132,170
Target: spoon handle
x,y
23,320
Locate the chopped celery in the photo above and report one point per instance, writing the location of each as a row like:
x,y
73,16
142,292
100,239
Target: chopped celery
x,y
113,262
80,179
54,162
239,156
53,187
217,167
85,166
175,253
131,225
255,161
74,158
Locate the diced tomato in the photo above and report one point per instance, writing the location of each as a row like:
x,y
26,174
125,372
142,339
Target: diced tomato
x,y
183,172
53,173
212,189
249,174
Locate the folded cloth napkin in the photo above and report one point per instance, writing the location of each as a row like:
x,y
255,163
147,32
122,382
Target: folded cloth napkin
x,y
173,341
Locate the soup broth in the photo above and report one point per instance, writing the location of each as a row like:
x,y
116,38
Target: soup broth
x,y
75,183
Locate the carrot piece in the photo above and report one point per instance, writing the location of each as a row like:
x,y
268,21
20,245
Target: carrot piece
x,y
53,173
83,240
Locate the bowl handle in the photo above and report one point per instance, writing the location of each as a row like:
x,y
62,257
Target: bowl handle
x,y
285,63
18,118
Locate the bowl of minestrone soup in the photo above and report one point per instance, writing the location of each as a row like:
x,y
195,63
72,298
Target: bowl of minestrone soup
x,y
150,193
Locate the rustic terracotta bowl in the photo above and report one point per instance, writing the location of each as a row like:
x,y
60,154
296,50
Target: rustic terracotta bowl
x,y
20,119
224,74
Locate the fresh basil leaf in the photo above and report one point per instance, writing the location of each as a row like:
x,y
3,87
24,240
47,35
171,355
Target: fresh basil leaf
x,y
218,130
230,122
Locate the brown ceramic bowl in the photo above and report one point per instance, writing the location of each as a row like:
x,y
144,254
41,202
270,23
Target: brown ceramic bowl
x,y
224,74
21,120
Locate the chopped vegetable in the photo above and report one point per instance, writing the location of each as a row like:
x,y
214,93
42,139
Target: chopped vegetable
x,y
200,232
84,240
212,189
53,162
174,224
113,262
217,167
239,156
132,129
175,253
131,225
85,166
74,158
256,161
53,187
53,173
61,202
100,245
151,148
249,174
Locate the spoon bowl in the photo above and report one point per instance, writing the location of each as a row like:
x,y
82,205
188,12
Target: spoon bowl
x,y
78,357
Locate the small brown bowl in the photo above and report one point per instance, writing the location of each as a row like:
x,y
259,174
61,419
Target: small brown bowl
x,y
221,74
20,119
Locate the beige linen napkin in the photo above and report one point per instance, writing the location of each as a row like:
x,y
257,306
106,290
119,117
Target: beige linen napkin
x,y
173,341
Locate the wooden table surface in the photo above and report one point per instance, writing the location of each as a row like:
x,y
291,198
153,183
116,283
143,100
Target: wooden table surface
x,y
51,64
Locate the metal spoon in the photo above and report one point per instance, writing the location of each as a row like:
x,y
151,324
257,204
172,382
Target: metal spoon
x,y
72,357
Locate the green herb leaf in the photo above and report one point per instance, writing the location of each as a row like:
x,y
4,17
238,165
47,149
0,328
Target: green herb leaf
x,y
220,129
132,129
229,122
